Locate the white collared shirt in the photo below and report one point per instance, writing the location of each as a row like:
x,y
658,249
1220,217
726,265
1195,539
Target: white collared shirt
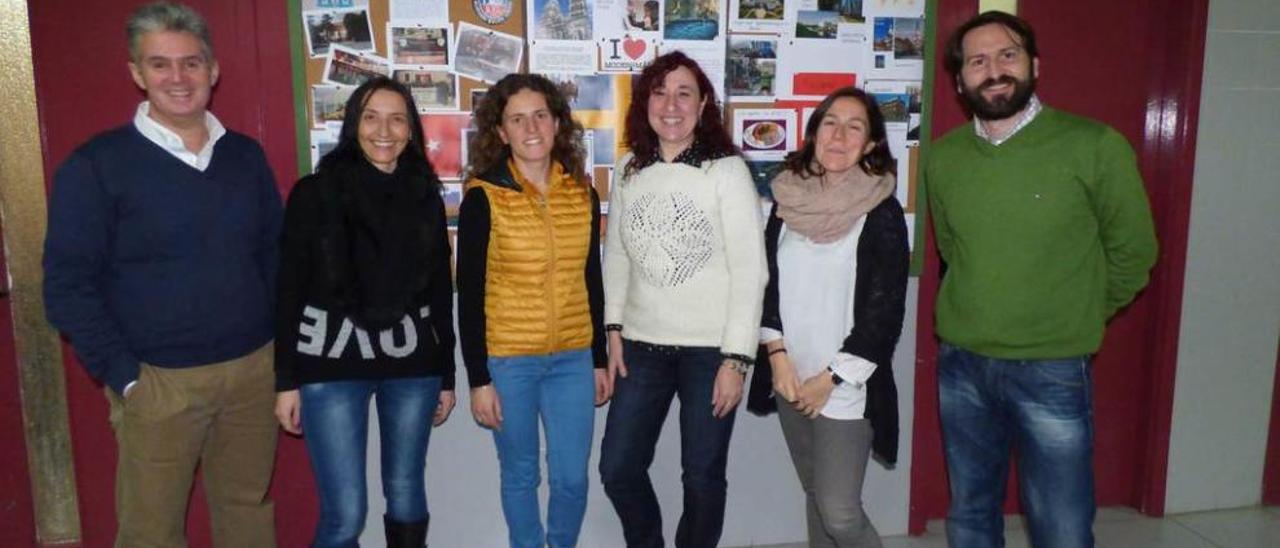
x,y
170,141
1028,114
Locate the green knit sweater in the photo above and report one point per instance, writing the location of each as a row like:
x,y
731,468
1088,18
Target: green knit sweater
x,y
1044,236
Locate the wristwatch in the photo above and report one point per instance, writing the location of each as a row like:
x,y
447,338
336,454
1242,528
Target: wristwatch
x,y
836,379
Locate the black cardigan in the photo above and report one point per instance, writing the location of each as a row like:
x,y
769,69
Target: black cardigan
x,y
878,308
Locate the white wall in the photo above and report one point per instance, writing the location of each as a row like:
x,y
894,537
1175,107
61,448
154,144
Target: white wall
x,y
1231,301
765,504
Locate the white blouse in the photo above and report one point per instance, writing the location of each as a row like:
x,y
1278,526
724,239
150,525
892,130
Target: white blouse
x,y
815,297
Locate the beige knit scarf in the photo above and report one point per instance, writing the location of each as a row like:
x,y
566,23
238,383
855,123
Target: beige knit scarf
x,y
824,208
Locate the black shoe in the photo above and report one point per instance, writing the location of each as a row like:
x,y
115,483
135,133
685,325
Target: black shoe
x,y
406,534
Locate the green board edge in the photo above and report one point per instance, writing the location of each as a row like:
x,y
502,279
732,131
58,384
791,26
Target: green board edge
x,y
301,127
926,133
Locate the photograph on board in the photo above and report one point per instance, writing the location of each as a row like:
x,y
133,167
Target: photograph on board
x,y
752,66
764,134
432,89
849,11
562,19
894,107
328,103
642,15
486,55
585,92
349,67
817,24
692,20
420,45
761,10
443,133
882,34
908,38
345,27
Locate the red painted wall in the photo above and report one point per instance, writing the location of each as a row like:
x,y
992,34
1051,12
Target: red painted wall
x,y
83,87
1136,67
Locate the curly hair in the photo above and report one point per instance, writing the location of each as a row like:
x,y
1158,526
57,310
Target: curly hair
x,y
486,149
640,137
348,152
877,162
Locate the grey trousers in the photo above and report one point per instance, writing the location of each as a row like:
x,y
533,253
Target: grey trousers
x,y
831,459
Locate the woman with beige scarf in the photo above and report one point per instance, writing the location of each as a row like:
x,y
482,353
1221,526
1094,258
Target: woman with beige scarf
x,y
836,244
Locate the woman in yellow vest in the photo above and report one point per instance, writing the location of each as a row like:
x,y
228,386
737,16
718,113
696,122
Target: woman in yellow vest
x,y
530,301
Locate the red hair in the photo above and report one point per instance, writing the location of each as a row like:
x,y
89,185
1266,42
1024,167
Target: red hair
x,y
710,132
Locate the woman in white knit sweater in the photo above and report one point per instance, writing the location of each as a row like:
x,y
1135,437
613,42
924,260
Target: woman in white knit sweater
x,y
684,275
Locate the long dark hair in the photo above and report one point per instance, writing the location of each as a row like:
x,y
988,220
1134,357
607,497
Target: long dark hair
x,y
643,141
348,154
486,150
877,162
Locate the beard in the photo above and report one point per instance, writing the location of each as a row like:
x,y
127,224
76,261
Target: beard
x,y
1000,107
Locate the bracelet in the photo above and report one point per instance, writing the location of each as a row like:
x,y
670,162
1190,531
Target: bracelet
x,y
738,366
613,327
778,351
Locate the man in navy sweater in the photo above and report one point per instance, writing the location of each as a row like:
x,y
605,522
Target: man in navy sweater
x,y
160,268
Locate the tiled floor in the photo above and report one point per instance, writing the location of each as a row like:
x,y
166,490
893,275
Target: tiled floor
x,y
1257,527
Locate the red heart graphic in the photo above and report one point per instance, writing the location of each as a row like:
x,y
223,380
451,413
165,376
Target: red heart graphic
x,y
634,47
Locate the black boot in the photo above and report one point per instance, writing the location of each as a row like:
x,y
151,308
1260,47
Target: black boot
x,y
406,534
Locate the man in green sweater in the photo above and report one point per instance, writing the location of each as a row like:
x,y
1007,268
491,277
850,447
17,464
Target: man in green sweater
x,y
1043,223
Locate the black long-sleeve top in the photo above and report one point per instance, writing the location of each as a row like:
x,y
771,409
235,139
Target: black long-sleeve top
x,y
316,342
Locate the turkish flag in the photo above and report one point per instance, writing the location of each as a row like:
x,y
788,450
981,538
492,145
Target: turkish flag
x,y
443,133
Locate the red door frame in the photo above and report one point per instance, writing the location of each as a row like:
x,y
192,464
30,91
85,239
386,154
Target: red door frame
x,y
82,88
1271,465
1135,369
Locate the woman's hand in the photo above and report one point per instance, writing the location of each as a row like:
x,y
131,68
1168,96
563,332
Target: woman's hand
x,y
604,386
785,382
616,365
814,394
486,407
447,400
289,411
727,391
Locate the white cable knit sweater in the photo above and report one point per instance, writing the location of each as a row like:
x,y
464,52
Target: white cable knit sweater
x,y
684,259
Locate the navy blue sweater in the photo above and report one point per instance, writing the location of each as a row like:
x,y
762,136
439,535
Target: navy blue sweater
x,y
149,260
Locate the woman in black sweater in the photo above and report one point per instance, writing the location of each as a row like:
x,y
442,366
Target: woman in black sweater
x,y
836,243
365,308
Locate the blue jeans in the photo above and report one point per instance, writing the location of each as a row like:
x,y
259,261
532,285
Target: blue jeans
x,y
640,405
335,425
1042,409
560,388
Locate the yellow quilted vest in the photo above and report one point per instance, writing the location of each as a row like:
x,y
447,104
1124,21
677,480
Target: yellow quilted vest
x,y
535,282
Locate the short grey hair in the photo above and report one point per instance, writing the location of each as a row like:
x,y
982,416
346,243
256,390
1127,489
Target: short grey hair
x,y
166,16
